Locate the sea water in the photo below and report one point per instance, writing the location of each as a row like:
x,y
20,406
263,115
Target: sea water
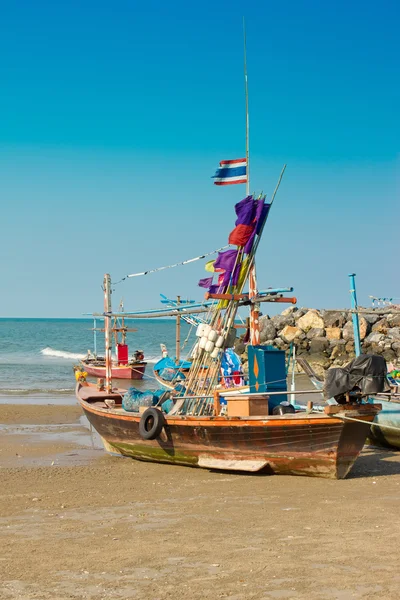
x,y
37,355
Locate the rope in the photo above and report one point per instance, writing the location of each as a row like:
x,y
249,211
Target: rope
x,y
183,262
368,423
187,337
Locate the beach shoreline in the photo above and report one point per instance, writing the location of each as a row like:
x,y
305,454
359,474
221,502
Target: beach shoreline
x,y
78,523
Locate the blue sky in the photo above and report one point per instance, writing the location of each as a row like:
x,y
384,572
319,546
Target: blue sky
x,y
115,116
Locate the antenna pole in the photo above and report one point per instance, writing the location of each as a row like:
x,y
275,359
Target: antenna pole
x,y
246,92
107,329
178,333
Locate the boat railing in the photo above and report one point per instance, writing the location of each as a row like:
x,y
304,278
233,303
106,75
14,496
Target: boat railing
x,y
214,404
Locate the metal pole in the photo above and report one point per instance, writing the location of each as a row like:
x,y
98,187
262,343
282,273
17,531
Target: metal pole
x,y
293,385
356,325
95,337
107,330
178,333
246,92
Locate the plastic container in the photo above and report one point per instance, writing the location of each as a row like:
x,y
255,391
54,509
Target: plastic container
x,y
213,336
209,347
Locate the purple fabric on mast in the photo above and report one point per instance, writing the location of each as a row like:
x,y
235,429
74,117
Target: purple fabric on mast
x,y
245,211
214,289
206,282
264,215
226,260
258,221
236,273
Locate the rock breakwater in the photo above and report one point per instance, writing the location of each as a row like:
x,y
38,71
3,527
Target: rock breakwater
x,y
325,337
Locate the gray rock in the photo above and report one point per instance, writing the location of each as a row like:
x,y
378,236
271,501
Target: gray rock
x,y
280,321
339,349
319,345
309,320
334,343
268,331
394,320
320,362
239,347
279,343
348,333
381,326
375,338
315,332
371,319
343,360
364,327
376,348
290,333
333,333
389,355
394,333
334,319
290,311
300,313
396,348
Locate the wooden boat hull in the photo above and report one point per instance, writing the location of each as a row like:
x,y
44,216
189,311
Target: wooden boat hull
x,y
296,444
389,416
131,371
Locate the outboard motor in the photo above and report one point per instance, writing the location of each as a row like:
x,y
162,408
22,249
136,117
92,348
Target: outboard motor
x,y
364,375
283,408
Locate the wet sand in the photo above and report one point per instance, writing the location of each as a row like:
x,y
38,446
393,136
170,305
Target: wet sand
x,y
76,523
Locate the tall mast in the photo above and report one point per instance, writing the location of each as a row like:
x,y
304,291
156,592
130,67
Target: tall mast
x,y
123,333
255,308
178,333
107,329
246,92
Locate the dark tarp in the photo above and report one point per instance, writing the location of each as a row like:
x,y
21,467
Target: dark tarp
x,y
367,373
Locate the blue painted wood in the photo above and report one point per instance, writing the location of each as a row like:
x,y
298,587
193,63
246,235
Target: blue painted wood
x,y
390,417
267,372
354,306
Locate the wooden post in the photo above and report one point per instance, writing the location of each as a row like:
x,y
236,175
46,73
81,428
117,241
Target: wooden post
x,y
107,330
293,383
255,309
94,337
217,404
178,333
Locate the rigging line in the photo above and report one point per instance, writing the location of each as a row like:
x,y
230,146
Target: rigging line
x,y
183,262
367,422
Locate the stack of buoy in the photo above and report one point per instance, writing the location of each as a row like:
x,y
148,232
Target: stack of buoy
x,y
212,341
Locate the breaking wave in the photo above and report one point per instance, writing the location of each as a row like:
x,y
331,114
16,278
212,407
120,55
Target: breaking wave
x,y
28,392
61,354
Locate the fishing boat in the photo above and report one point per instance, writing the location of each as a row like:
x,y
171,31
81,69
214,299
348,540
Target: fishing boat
x,y
301,443
122,367
96,367
206,426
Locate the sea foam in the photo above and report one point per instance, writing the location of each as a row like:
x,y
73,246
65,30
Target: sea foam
x,y
61,354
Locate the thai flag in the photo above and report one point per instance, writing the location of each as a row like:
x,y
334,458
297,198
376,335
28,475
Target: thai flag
x,y
231,171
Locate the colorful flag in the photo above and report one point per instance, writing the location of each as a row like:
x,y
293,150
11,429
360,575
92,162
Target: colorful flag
x,y
231,171
245,211
226,260
260,216
206,282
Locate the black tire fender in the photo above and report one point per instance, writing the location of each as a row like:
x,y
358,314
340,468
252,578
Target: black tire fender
x,y
151,423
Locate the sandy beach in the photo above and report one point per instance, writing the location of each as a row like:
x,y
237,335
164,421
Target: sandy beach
x,y
77,523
